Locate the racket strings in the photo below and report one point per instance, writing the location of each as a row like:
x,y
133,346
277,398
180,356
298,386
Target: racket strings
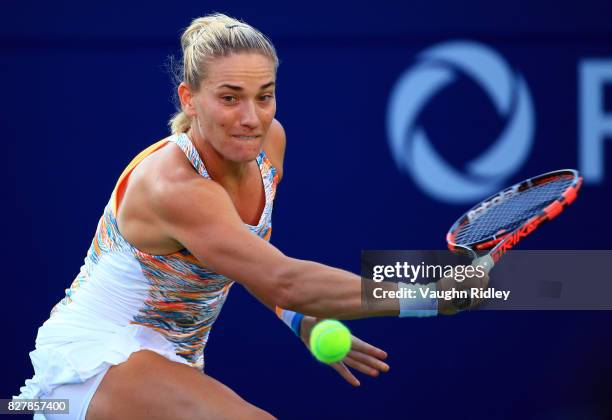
x,y
512,212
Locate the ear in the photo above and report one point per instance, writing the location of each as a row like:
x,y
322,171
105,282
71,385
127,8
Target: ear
x,y
186,97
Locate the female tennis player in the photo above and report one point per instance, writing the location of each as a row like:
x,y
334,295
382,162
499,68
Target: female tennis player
x,y
189,216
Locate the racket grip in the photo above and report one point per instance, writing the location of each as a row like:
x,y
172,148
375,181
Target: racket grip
x,y
486,262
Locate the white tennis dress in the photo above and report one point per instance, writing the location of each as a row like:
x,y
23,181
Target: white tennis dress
x,y
124,300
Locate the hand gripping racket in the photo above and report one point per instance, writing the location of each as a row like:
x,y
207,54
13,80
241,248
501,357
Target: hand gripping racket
x,y
502,220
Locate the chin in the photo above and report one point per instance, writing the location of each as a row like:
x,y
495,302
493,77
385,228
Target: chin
x,y
245,155
245,152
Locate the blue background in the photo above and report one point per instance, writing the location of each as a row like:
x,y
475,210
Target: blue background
x,y
85,88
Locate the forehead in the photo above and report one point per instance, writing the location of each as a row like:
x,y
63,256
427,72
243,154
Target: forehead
x,y
247,70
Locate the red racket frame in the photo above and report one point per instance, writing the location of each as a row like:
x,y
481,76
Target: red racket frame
x,y
501,242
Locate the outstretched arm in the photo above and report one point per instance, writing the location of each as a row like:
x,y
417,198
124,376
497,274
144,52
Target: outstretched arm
x,y
199,214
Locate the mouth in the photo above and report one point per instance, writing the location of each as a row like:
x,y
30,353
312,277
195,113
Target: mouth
x,y
246,138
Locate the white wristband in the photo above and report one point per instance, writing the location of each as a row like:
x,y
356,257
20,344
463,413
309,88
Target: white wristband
x,y
413,304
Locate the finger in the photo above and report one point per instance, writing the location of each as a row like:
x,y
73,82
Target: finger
x,y
368,360
345,373
362,346
357,365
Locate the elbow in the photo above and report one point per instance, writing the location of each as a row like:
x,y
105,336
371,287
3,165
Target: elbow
x,y
286,292
284,299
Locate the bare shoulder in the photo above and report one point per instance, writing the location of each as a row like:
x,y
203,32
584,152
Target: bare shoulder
x,y
157,193
177,188
274,146
194,211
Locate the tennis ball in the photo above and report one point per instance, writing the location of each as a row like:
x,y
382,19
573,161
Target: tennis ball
x,y
330,341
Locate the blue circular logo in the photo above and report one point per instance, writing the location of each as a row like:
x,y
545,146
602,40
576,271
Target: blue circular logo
x,y
411,148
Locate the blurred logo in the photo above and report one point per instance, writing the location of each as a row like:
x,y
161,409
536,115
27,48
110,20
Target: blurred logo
x,y
410,146
594,75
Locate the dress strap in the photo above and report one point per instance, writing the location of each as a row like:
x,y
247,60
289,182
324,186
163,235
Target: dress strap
x,y
183,141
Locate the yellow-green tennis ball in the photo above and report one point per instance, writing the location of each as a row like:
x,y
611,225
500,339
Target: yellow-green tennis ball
x,y
330,341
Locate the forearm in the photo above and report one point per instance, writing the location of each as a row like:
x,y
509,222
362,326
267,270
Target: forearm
x,y
326,292
321,291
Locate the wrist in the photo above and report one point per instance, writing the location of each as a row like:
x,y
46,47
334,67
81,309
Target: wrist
x,y
308,323
292,319
417,300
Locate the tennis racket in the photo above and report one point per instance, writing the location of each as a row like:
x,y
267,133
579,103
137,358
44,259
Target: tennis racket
x,y
501,221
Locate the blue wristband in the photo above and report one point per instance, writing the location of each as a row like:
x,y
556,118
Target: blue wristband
x,y
296,324
417,305
293,320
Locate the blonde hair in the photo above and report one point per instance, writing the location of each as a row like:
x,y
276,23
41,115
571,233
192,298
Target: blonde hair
x,y
208,37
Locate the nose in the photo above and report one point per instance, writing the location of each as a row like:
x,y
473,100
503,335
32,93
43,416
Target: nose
x,y
248,117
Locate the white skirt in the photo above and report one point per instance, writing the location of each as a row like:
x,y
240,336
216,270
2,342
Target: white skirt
x,y
78,395
67,357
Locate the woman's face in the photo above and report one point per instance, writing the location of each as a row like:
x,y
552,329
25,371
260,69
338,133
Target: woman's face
x,y
235,105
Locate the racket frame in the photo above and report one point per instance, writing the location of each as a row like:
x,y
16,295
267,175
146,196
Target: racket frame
x,y
502,241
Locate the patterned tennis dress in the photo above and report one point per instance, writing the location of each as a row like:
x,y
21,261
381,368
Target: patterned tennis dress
x,y
124,300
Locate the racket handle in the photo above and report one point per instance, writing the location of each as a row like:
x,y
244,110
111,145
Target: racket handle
x,y
486,262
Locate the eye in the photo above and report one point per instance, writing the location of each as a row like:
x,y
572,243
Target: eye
x,y
266,98
228,99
